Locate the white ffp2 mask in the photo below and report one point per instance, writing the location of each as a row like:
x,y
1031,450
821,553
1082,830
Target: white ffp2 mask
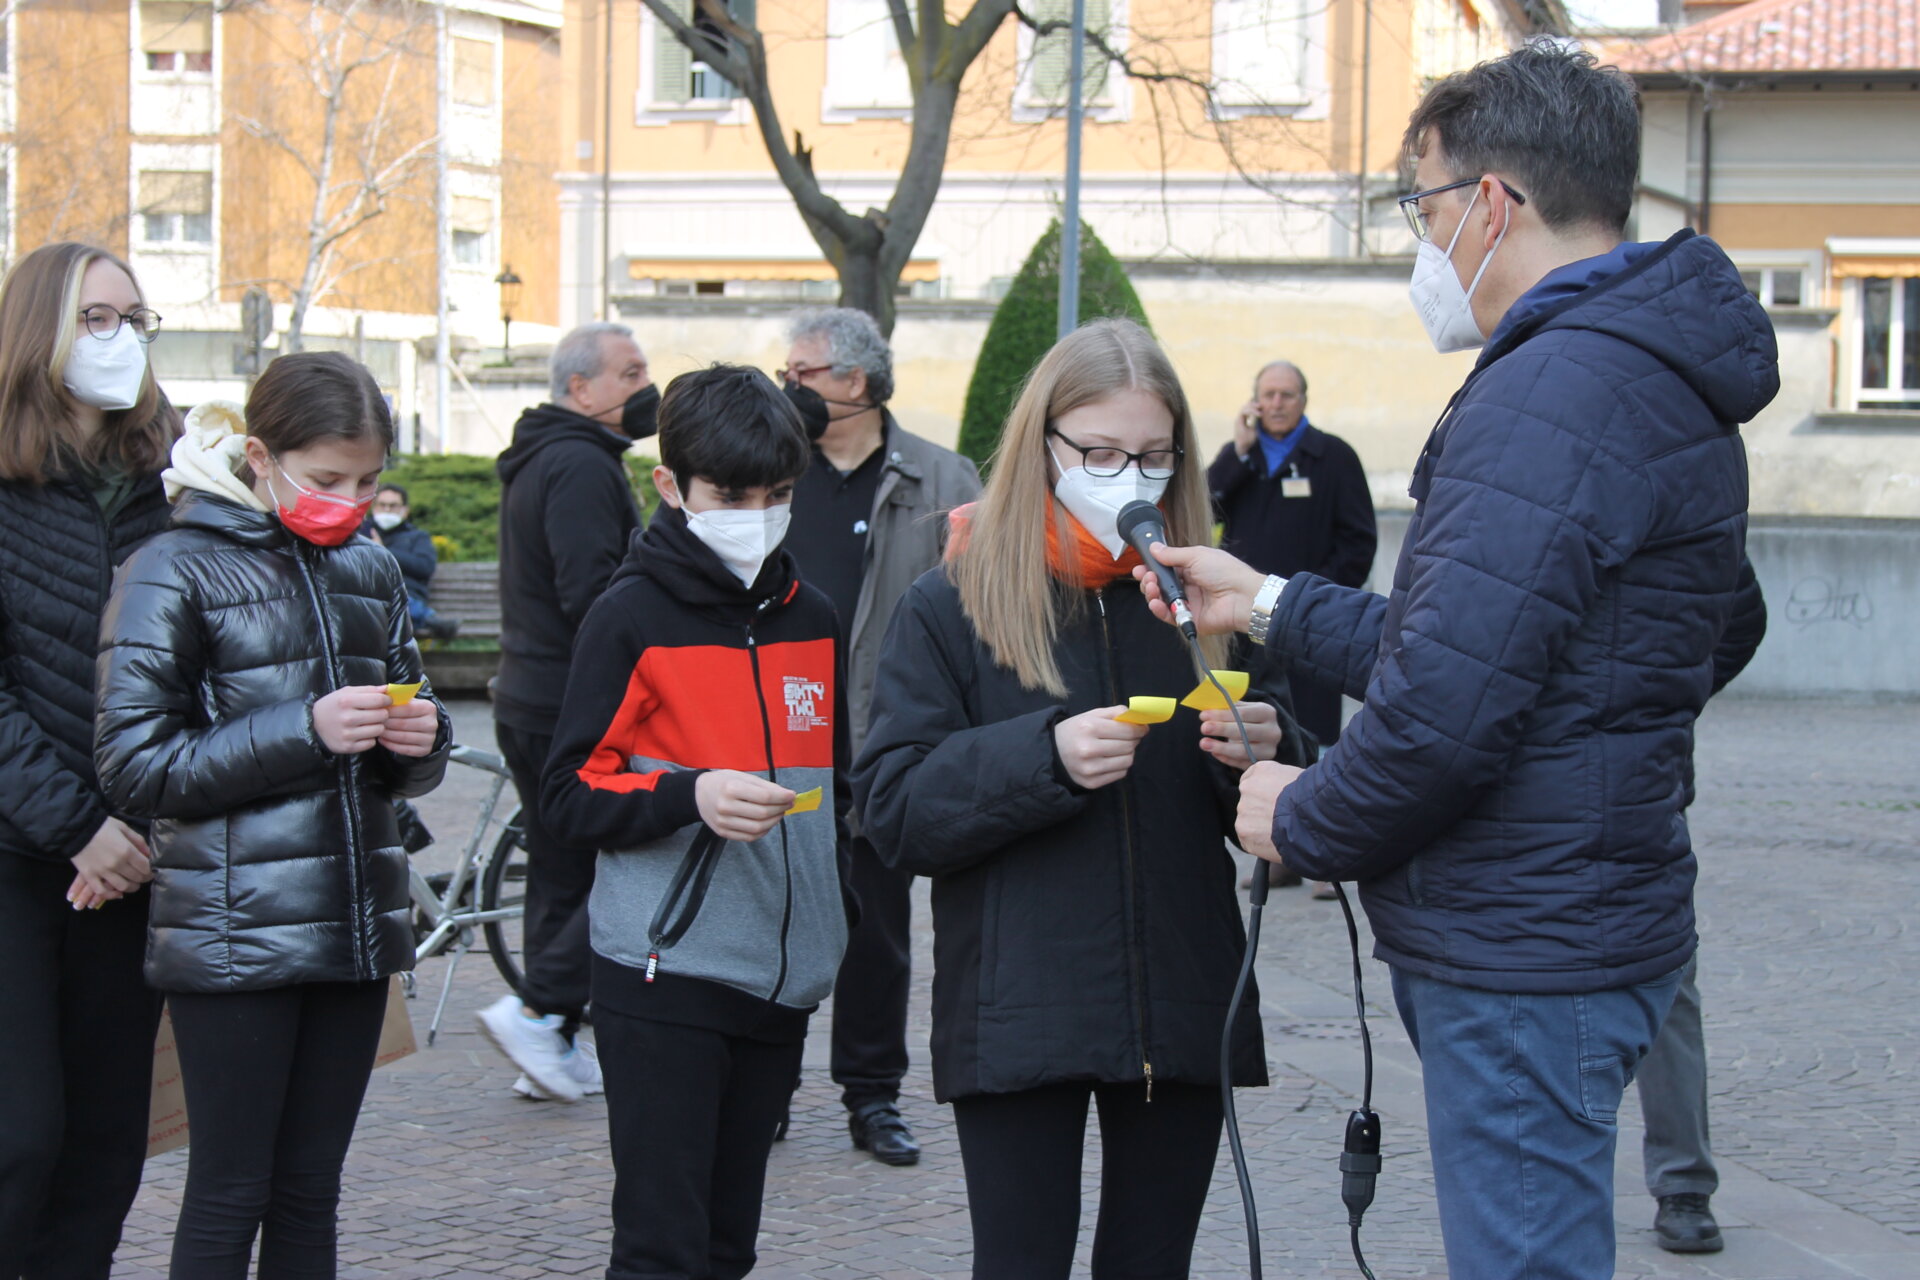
x,y
742,538
1444,308
1095,501
109,374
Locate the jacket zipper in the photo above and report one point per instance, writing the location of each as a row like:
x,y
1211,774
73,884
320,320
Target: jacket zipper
x,y
346,765
773,775
1136,966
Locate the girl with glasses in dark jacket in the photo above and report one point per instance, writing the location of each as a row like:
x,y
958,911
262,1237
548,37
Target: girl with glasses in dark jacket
x,y
1086,931
84,430
247,706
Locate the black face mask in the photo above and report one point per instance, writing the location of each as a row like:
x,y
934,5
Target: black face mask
x,y
638,419
812,408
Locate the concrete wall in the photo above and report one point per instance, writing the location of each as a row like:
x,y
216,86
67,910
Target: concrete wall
x,y
1843,605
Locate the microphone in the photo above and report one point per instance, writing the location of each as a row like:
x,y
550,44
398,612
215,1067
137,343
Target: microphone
x,y
1142,527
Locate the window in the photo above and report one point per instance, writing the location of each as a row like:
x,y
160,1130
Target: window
x,y
177,37
677,76
472,220
1260,53
472,72
1053,54
176,207
865,69
1774,286
1889,366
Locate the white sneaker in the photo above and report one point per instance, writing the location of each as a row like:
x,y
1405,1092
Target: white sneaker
x,y
535,1045
582,1063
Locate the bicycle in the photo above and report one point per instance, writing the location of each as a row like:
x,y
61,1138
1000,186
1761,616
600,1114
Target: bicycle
x,y
485,890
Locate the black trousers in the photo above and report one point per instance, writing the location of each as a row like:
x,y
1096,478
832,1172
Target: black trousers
x,y
1022,1157
691,1115
557,952
274,1081
76,1073
870,995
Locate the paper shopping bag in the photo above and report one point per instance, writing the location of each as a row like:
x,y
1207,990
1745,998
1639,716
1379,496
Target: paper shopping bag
x,y
167,1111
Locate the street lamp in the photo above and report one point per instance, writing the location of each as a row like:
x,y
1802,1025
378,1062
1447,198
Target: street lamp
x,y
509,299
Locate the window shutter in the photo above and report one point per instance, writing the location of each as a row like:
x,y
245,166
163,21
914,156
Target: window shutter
x,y
473,71
170,27
1050,53
672,61
470,213
1053,52
166,191
1094,69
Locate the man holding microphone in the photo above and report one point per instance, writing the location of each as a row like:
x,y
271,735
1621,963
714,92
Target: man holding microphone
x,y
1511,796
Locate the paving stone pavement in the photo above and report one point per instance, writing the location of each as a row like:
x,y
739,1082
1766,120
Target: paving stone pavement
x,y
1808,824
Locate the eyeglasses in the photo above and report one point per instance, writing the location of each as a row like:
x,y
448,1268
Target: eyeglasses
x,y
103,321
1418,219
1106,461
800,372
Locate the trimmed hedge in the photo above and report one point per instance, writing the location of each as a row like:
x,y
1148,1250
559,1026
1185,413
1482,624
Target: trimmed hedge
x,y
456,498
1023,330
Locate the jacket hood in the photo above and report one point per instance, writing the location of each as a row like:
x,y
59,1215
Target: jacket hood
x,y
1686,305
667,552
230,520
206,457
546,425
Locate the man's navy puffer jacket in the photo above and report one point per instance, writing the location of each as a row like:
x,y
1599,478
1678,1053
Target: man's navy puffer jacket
x,y
1512,795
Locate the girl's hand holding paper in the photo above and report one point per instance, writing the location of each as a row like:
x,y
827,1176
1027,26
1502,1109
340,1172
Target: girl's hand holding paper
x,y
1221,740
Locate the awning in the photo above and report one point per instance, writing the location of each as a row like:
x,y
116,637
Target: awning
x,y
1867,257
917,270
1907,267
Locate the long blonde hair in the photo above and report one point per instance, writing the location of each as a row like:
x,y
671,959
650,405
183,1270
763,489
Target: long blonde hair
x,y
1013,598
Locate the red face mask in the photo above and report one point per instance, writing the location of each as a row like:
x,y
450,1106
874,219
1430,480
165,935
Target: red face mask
x,y
320,518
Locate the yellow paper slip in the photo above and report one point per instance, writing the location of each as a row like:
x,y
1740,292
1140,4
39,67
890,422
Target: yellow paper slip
x,y
805,802
1207,698
403,693
1146,711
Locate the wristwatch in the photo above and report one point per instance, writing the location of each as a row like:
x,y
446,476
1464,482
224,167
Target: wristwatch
x,y
1263,602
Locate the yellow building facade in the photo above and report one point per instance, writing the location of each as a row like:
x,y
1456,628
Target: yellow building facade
x,y
194,138
1247,179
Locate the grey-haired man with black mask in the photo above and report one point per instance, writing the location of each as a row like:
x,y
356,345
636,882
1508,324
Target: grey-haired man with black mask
x,y
566,514
869,516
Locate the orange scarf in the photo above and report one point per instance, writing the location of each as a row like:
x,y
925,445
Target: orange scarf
x,y
1096,564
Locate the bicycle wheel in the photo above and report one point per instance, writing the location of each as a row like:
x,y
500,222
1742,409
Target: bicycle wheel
x,y
505,886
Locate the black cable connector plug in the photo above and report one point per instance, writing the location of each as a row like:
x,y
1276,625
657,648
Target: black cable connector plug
x,y
1360,1163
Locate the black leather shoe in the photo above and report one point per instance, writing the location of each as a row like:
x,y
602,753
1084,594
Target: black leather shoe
x,y
878,1128
1684,1224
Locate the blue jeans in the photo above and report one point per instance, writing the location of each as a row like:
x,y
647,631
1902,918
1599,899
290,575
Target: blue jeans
x,y
1522,1094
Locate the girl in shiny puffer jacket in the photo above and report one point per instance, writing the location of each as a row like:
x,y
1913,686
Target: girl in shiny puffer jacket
x,y
246,708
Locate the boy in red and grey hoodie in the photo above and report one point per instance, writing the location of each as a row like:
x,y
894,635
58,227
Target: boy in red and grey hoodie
x,y
702,748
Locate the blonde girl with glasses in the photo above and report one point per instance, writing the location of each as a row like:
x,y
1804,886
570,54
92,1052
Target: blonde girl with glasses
x,y
1086,932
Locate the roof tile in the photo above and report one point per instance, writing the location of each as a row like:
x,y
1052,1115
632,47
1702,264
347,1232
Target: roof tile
x,y
1790,36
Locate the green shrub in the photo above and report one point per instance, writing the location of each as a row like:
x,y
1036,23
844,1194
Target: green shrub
x,y
1024,326
456,498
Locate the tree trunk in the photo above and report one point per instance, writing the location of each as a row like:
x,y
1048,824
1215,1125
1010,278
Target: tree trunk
x,y
866,284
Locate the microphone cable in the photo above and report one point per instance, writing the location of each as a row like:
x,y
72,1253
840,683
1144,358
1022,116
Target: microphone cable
x,y
1360,1153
